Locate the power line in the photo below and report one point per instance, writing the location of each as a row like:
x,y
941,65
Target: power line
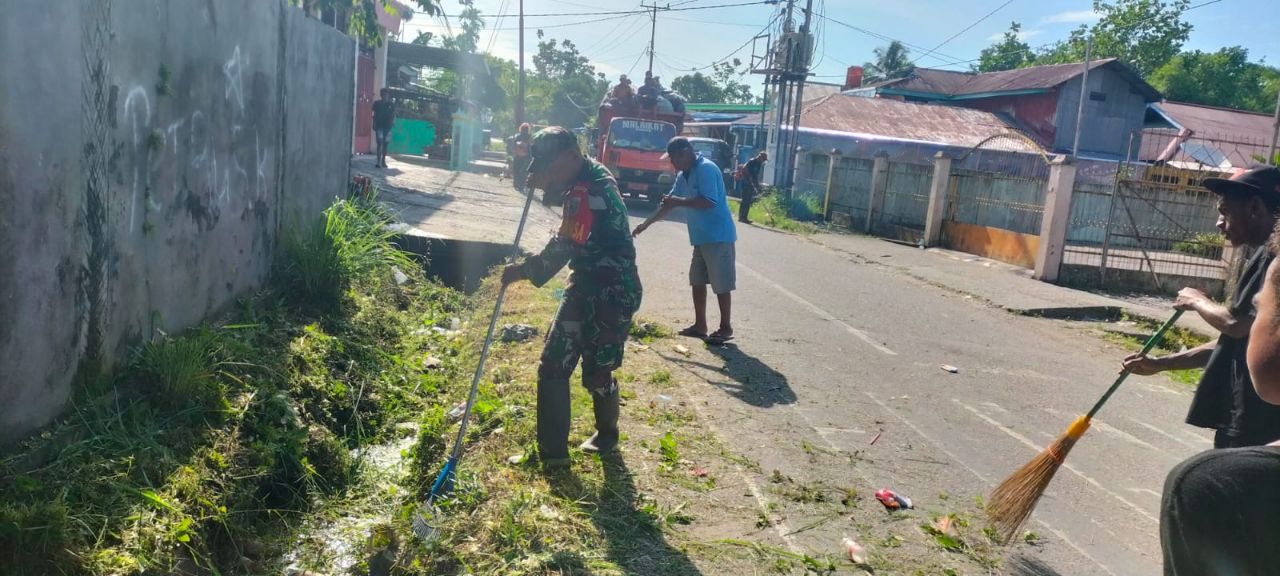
x,y
502,9
935,55
966,29
739,48
620,12
1033,49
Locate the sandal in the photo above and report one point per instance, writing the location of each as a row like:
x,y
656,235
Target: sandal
x,y
691,333
719,338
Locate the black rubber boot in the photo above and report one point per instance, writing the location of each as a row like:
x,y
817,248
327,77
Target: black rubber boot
x,y
606,436
553,423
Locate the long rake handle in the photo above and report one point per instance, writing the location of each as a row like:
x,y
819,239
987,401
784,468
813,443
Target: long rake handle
x,y
442,481
1146,348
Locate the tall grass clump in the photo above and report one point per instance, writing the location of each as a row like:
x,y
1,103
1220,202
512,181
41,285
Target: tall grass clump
x,y
205,451
353,242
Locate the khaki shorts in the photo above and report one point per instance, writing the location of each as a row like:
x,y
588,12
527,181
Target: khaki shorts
x,y
714,264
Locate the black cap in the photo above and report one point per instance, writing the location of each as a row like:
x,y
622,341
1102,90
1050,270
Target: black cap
x,y
677,144
548,143
1261,181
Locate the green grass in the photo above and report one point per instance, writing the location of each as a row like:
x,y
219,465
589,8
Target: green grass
x,y
1207,245
213,445
771,210
1175,339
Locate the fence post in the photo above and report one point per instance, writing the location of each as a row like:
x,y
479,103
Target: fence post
x,y
879,181
1057,215
832,160
937,199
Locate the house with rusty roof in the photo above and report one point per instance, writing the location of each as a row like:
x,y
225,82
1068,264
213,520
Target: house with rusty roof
x,y
1042,101
1205,138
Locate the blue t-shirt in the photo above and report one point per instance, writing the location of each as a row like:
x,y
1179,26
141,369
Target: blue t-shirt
x,y
706,225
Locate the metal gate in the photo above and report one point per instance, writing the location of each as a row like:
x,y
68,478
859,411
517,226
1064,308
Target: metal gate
x,y
1153,227
906,201
995,199
851,189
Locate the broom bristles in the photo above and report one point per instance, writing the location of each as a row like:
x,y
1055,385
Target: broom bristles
x,y
1013,500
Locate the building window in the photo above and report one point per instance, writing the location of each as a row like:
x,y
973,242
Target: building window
x,y
1098,96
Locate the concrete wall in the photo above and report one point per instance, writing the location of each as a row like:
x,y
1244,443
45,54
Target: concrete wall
x,y
149,151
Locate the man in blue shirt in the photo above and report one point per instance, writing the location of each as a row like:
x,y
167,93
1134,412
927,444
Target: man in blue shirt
x,y
700,187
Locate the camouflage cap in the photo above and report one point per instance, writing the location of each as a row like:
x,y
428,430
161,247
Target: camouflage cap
x,y
550,142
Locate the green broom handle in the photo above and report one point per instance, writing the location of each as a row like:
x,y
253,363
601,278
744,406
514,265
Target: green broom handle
x,y
1151,343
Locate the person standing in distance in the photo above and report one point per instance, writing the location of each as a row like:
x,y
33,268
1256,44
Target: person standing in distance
x,y
700,188
604,292
384,117
751,173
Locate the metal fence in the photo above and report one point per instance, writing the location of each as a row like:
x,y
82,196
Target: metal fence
x,y
851,188
1152,227
997,200
906,199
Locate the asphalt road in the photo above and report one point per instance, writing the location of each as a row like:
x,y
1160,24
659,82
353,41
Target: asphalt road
x,y
842,350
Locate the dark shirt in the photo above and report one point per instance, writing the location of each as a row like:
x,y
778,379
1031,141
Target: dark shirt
x,y
754,167
1225,399
1219,514
384,114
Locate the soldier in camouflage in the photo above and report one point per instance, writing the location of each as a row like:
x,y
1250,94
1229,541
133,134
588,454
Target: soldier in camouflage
x,y
603,294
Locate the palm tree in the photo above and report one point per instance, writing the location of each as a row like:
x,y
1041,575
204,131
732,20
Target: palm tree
x,y
892,61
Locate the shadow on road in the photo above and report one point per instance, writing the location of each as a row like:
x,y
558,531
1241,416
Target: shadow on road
x,y
750,380
1021,565
634,534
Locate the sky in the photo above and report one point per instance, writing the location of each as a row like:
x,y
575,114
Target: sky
x,y
688,39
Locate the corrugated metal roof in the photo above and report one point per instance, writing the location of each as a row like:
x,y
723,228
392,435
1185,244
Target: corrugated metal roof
x,y
1219,138
891,119
959,84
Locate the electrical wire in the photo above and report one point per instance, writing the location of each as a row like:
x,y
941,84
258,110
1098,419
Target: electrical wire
x,y
739,48
935,55
502,9
1033,49
966,29
619,12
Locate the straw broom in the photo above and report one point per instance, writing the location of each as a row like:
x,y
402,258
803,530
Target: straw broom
x,y
1014,499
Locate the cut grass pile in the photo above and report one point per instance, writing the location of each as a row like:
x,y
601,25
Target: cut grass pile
x,y
206,449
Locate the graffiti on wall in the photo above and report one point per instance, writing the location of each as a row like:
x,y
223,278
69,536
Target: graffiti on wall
x,y
217,156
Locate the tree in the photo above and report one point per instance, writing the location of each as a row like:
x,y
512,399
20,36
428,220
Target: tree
x,y
727,77
1145,34
472,24
1224,78
698,88
359,18
721,86
1009,53
892,61
566,88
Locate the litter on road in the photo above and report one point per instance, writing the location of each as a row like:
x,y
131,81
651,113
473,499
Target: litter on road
x,y
950,368
857,554
892,500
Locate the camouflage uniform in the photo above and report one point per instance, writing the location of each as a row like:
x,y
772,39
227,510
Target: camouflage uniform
x,y
603,294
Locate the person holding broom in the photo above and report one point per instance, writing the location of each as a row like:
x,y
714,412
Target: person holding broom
x,y
1220,513
1225,399
604,292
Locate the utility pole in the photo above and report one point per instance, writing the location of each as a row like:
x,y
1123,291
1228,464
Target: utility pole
x,y
653,27
1275,133
520,96
1084,95
802,72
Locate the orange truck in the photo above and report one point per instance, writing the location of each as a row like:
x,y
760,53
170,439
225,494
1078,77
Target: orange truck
x,y
631,146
